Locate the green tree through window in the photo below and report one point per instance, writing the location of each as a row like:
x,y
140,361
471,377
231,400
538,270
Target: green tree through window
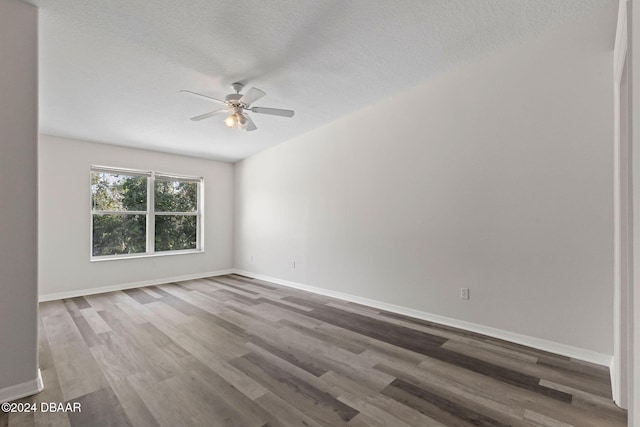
x,y
176,203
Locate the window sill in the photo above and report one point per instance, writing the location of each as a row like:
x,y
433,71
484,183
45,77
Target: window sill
x,y
136,256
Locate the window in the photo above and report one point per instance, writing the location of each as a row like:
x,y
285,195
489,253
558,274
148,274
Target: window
x,y
137,213
176,213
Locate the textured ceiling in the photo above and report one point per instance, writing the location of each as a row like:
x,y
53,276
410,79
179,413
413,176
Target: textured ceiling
x,y
110,71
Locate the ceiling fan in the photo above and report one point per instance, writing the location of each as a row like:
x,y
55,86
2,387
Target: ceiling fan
x,y
236,104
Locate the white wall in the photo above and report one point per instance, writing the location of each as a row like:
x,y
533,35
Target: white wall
x,y
64,219
18,198
496,176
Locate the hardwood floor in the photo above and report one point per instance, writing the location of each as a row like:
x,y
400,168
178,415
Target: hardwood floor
x,y
235,351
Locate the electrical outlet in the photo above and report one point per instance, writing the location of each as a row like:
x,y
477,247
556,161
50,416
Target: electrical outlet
x,y
464,293
294,264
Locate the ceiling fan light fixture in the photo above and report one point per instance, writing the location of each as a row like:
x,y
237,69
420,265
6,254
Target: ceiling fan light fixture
x,y
242,121
236,120
230,120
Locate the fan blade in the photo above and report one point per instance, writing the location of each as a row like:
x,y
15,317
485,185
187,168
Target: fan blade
x,y
250,125
273,111
252,96
207,115
204,96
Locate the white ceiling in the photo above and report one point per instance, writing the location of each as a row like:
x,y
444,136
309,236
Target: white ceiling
x,y
110,71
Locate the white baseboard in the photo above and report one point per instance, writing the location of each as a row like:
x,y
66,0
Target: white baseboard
x,y
19,391
111,288
617,393
537,343
614,383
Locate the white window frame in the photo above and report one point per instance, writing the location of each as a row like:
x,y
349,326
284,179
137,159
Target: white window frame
x,y
150,213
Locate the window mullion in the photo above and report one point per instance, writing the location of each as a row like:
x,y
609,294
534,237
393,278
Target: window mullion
x,y
195,213
151,220
118,212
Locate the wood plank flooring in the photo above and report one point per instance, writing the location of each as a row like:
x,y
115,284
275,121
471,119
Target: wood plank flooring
x,y
235,351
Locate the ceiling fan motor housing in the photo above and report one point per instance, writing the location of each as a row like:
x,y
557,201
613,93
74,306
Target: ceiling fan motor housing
x,y
233,98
